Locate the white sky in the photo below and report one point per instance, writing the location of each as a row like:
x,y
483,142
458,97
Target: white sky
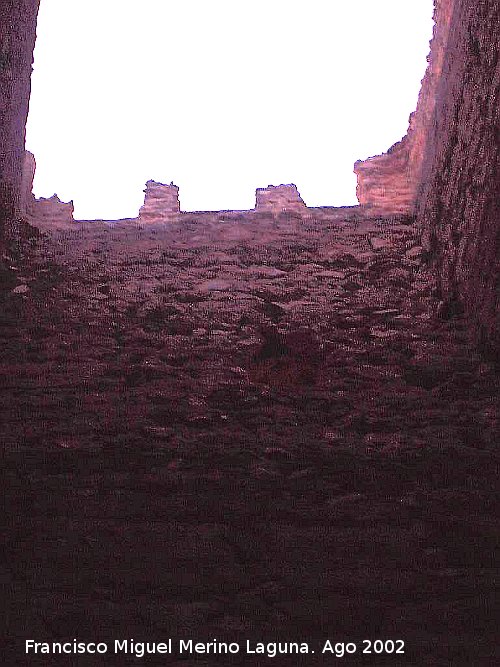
x,y
220,96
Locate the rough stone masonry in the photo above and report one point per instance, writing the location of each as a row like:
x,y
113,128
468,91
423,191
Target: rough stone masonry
x,y
446,167
17,41
245,426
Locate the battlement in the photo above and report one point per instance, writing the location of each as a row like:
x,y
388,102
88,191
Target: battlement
x,y
161,202
279,199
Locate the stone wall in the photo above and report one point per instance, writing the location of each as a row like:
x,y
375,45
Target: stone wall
x,y
45,212
446,169
389,183
459,202
28,175
279,199
17,40
447,165
161,202
51,211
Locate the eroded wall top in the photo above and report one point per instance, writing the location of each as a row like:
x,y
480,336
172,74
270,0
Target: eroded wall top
x,y
161,202
279,199
17,41
389,183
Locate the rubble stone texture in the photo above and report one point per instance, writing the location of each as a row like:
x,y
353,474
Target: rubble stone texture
x,y
279,199
28,175
459,209
48,211
246,429
161,202
45,212
247,426
17,40
389,183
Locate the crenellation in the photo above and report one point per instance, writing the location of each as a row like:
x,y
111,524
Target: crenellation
x,y
445,168
161,202
279,199
44,212
53,211
244,423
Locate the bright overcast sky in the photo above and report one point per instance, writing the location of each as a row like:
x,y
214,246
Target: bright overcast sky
x,y
220,96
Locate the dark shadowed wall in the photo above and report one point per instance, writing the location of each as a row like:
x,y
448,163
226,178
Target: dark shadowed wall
x,y
17,40
459,198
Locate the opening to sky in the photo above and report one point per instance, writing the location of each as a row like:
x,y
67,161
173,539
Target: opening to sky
x,y
220,97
